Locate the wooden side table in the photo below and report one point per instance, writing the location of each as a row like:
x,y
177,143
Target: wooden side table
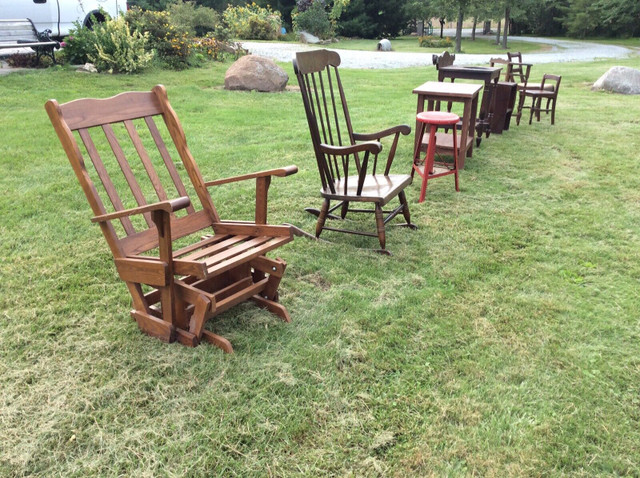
x,y
434,92
490,76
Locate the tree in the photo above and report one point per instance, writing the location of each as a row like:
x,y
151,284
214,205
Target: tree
x,y
373,18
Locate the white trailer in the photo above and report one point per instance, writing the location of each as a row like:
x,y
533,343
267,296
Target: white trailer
x,y
59,15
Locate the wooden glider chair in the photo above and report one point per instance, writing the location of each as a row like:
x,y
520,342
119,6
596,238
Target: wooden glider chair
x,y
176,285
347,171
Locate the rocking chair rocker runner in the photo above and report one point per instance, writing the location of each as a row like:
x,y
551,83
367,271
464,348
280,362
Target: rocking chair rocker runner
x,y
338,155
184,287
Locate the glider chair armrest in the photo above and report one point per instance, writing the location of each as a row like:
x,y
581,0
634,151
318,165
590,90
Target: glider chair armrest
x,y
400,129
369,146
263,180
167,206
280,172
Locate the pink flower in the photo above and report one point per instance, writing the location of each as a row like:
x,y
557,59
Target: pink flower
x,y
62,44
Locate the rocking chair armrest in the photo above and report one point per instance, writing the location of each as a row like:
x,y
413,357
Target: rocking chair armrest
x,y
402,129
371,146
280,172
168,206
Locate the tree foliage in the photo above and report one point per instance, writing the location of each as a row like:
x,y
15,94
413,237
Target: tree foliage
x,y
373,18
377,18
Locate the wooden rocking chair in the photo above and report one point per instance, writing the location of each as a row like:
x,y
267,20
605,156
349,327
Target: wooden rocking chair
x,y
174,291
338,154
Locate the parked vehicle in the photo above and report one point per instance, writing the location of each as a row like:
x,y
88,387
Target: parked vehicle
x,y
59,15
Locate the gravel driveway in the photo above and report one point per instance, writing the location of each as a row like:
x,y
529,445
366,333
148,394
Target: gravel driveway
x,y
562,50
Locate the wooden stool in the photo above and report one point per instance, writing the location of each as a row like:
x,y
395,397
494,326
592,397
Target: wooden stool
x,y
430,168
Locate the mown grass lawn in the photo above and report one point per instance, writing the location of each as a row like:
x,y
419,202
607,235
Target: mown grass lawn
x,y
500,339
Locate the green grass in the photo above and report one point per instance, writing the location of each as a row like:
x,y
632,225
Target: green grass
x,y
500,339
482,45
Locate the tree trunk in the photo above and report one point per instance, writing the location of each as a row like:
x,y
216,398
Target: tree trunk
x,y
473,30
507,14
498,34
441,26
459,30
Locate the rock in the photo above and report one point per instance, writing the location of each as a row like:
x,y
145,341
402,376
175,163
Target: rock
x,y
306,37
619,79
384,45
253,72
87,68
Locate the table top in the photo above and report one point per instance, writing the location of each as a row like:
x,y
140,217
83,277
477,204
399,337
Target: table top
x,y
470,72
479,69
439,88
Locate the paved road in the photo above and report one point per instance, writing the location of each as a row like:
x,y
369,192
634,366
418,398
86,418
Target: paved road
x,y
562,50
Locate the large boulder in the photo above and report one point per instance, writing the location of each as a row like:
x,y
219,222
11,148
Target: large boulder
x,y
619,79
306,37
253,72
384,45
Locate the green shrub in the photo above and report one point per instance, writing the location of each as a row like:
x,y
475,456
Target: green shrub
x,y
78,44
252,22
435,42
169,42
118,49
314,20
195,19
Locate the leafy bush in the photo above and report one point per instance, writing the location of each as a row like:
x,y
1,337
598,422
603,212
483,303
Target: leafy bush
x,y
28,60
169,42
252,22
435,42
78,45
209,47
314,19
195,19
118,49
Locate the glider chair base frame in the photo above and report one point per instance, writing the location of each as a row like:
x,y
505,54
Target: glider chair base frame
x,y
174,292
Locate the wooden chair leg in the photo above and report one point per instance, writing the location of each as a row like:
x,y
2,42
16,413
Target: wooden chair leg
x,y
405,207
272,306
344,209
322,217
553,111
380,226
521,99
533,104
218,341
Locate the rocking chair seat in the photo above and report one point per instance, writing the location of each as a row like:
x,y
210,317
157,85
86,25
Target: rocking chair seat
x,y
376,188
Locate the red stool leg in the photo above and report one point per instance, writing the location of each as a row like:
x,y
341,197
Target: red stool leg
x,y
428,161
416,153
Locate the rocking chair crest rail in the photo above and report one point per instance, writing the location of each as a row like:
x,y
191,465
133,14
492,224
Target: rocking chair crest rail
x,y
129,151
347,161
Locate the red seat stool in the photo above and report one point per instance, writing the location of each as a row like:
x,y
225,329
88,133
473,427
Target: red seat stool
x,y
431,168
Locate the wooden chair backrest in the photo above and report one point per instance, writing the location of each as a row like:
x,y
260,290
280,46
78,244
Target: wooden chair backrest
x,y
445,59
516,71
132,163
501,61
325,105
546,78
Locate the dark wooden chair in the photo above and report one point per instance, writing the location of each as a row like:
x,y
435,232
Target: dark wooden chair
x,y
537,95
178,278
347,161
444,59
